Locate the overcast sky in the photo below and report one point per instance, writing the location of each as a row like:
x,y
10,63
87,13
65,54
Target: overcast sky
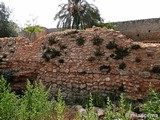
x,y
110,10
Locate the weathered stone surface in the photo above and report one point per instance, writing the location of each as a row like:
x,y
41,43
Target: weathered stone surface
x,y
73,72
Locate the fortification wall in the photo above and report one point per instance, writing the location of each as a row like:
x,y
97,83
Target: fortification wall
x,y
79,69
141,30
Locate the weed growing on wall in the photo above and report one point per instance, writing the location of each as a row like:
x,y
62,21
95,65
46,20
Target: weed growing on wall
x,y
97,41
50,53
80,41
62,47
135,47
120,53
122,66
52,40
111,45
105,68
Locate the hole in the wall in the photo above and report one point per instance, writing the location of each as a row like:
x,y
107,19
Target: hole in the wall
x,y
137,35
149,30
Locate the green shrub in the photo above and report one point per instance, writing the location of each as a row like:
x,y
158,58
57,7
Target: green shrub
x,y
59,107
110,26
109,113
152,103
8,102
98,100
80,41
35,104
111,45
122,66
135,47
52,40
90,110
97,41
105,68
123,109
121,52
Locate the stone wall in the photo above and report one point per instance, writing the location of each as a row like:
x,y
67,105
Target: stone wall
x,y
80,69
141,30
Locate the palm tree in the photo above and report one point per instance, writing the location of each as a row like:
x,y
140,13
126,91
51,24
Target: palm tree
x,y
77,14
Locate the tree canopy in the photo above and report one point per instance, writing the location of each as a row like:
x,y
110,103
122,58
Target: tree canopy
x,y
77,14
7,28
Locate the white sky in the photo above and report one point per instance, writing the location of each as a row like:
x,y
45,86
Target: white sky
x,y
110,10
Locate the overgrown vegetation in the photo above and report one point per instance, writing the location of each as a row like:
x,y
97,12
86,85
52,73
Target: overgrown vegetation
x,y
91,59
51,53
62,47
121,52
135,47
156,69
36,104
98,53
122,66
105,68
52,40
60,106
111,45
97,41
80,41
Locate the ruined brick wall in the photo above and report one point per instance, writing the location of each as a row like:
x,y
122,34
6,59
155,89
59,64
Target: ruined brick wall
x,y
141,30
79,69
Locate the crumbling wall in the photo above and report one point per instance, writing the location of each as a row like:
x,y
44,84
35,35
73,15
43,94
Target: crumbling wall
x,y
101,61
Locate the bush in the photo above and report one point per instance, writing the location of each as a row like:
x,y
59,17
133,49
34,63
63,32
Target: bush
x,y
152,103
110,26
80,41
59,107
35,104
8,102
97,41
90,110
111,45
